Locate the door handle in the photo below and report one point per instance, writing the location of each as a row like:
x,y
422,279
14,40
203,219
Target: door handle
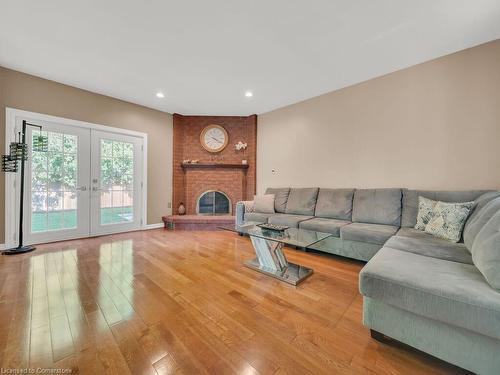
x,y
96,188
82,188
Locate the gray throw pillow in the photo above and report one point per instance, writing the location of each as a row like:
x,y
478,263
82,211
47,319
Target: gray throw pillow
x,y
264,204
280,198
425,212
448,220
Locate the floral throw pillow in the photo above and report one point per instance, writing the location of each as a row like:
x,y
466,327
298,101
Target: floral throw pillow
x,y
448,220
425,212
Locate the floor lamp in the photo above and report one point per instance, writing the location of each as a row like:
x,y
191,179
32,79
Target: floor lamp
x,y
19,153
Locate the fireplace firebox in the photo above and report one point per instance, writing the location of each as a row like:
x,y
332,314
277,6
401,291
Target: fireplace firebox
x,y
213,202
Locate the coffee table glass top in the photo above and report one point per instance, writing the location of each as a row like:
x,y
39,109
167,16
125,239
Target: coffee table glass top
x,y
292,236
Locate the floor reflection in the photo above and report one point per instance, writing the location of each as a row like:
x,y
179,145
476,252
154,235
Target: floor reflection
x,y
63,300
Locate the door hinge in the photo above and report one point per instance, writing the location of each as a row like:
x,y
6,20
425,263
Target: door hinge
x,y
142,184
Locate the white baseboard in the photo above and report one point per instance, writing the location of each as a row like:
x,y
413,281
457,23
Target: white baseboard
x,y
154,226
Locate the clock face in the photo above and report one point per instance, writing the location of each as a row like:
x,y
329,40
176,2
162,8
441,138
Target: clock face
x,y
214,138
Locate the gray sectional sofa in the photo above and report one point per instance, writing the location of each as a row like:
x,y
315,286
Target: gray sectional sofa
x,y
427,292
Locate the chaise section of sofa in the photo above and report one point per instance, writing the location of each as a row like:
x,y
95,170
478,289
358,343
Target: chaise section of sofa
x,y
451,292
435,295
442,307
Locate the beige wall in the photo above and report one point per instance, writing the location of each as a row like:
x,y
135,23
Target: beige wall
x,y
22,91
433,126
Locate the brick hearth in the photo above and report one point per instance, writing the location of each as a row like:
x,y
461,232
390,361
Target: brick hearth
x,y
197,222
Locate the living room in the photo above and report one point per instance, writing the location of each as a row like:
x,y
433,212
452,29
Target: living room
x,y
263,188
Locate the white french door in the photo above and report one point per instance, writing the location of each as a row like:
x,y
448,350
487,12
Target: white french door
x,y
56,199
116,183
87,182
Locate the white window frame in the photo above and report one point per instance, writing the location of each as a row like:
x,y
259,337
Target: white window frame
x,y
13,179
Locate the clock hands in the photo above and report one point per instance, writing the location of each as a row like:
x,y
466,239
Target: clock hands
x,y
216,140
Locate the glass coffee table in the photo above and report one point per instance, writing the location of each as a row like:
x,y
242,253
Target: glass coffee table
x,y
268,246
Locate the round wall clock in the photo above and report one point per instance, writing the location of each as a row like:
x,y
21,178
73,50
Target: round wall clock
x,y
214,138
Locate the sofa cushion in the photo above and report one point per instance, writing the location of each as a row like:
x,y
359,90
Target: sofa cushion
x,y
448,220
280,198
302,201
372,233
410,201
257,217
486,251
324,225
377,206
428,245
486,205
350,249
450,292
264,203
288,220
412,233
334,204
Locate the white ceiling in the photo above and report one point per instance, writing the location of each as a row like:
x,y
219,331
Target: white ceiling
x,y
204,54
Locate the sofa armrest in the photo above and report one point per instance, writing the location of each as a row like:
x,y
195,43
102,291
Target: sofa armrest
x,y
242,207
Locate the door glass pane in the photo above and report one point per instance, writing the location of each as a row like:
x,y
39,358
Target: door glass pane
x,y
53,183
117,181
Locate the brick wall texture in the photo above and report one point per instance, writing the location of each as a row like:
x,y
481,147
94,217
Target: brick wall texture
x,y
189,184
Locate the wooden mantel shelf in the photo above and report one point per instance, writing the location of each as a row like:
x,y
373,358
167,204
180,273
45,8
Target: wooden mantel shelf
x,y
213,165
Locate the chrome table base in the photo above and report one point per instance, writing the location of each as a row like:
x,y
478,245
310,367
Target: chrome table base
x,y
292,274
271,261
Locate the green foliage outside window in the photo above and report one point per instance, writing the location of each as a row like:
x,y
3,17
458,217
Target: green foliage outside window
x,y
55,171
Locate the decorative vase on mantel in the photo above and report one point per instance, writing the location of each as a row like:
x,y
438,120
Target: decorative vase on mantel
x,y
240,146
244,161
182,209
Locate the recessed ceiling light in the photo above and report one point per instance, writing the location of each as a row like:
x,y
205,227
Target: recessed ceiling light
x,y
248,94
160,95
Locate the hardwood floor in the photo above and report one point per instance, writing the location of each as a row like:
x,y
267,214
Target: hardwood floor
x,y
175,302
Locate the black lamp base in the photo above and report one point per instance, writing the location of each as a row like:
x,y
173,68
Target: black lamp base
x,y
18,250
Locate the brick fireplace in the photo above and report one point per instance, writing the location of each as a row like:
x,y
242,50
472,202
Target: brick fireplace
x,y
223,171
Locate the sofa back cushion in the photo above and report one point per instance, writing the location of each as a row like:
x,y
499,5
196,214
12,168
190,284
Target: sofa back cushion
x,y
486,251
334,204
377,206
302,201
410,201
280,198
482,213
